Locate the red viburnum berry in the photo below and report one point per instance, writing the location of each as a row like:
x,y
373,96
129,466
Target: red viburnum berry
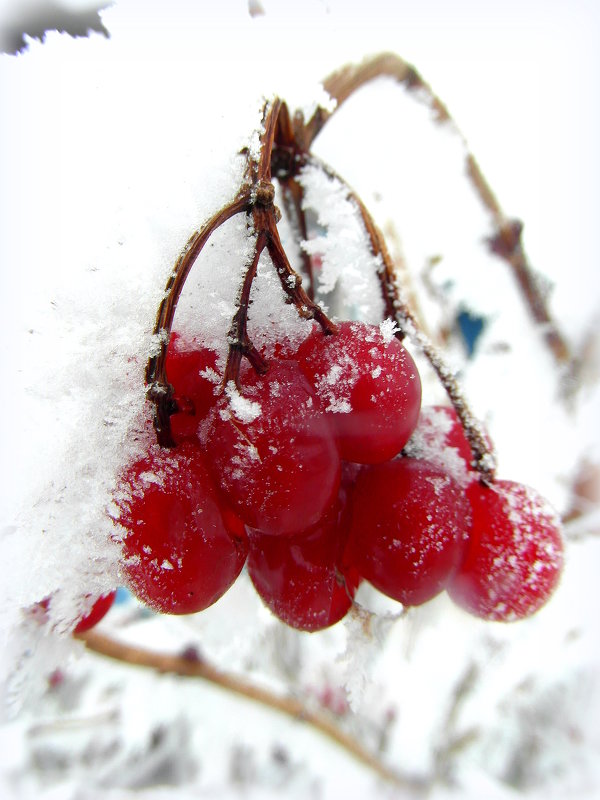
x,y
301,578
409,520
272,452
99,610
191,370
369,386
514,555
180,556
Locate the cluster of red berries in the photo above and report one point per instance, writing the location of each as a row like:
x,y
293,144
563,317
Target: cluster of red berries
x,y
303,475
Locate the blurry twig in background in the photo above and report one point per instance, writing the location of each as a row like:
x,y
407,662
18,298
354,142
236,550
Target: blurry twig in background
x,y
506,239
195,667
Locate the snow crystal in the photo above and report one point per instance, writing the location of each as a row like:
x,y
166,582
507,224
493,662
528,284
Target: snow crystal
x,y
244,409
365,633
388,328
151,477
270,319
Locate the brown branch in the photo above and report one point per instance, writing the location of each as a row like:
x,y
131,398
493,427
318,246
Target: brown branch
x,y
342,83
291,707
506,240
271,114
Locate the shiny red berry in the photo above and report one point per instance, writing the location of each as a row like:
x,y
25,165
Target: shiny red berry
x,y
272,452
369,386
179,556
514,556
191,370
409,520
301,578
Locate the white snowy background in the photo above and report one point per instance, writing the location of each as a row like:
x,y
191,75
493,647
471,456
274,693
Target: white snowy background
x,y
113,151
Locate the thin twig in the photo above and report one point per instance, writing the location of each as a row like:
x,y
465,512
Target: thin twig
x,y
164,318
239,342
291,707
292,285
292,196
506,240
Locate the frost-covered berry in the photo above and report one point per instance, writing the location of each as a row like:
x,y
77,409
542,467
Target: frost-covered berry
x,y
303,579
271,450
99,609
514,555
97,612
180,552
409,520
191,370
439,438
369,386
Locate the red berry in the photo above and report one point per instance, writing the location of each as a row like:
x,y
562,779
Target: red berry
x,y
97,611
300,578
272,451
369,385
189,370
408,522
39,611
179,556
514,556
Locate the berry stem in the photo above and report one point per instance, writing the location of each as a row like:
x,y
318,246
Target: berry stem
x,y
293,194
290,706
239,341
264,217
160,392
292,285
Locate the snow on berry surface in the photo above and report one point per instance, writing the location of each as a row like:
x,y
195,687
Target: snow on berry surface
x,y
114,150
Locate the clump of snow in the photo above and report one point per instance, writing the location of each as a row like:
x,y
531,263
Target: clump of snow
x,y
272,321
366,633
341,244
243,409
388,329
